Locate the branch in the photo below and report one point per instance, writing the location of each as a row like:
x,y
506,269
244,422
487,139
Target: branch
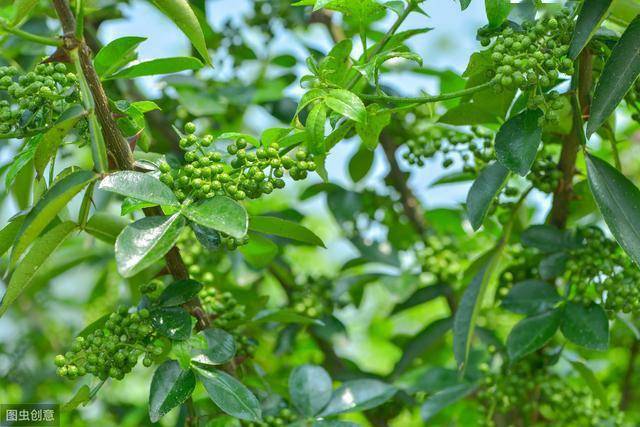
x,y
427,99
627,382
581,84
117,145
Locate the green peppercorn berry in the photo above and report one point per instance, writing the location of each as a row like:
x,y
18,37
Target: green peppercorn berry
x,y
189,128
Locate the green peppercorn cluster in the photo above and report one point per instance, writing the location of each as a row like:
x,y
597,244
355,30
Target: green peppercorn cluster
x,y
533,58
545,175
34,100
223,308
441,259
601,271
474,149
523,265
203,264
283,417
113,350
532,395
247,172
313,298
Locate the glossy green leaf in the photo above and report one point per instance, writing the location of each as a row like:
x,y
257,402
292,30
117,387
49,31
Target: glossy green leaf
x,y
620,71
532,333
115,54
22,160
483,191
531,297
26,270
358,395
369,132
172,322
592,13
220,213
208,237
230,395
310,388
315,125
586,325
589,377
52,138
548,238
9,232
180,12
220,348
140,186
179,292
146,241
518,140
47,209
497,11
619,202
347,104
171,386
284,228
443,398
553,265
157,66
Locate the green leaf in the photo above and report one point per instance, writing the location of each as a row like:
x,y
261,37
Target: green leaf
x,y
21,10
106,226
314,127
116,54
484,189
548,238
620,71
369,132
532,333
283,315
360,164
464,4
209,238
517,141
230,395
179,292
157,66
42,248
83,395
421,342
358,395
310,388
531,297
592,13
347,104
183,16
464,322
468,113
284,228
53,137
422,295
47,209
619,202
9,232
22,160
220,213
443,398
146,241
220,349
587,326
172,322
260,251
553,265
171,386
140,186
497,11
588,376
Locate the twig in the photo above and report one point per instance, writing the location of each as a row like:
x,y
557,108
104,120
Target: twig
x,y
29,36
427,99
117,146
627,382
562,195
